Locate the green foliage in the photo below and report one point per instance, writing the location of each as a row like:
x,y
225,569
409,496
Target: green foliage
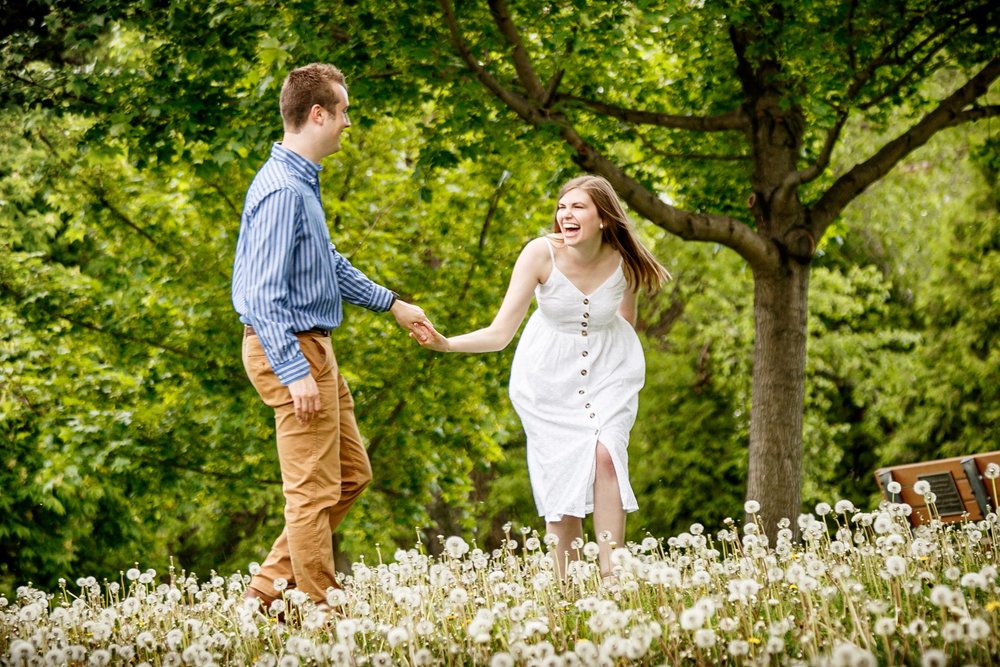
x,y
950,403
131,130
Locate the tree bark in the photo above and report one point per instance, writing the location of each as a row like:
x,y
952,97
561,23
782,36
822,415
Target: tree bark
x,y
778,388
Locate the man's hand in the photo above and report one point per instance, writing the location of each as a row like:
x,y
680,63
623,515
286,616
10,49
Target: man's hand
x,y
305,395
410,317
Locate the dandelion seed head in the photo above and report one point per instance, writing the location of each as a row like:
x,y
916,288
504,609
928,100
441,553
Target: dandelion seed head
x,y
704,638
397,636
456,547
843,507
921,487
751,507
885,626
934,658
992,471
895,566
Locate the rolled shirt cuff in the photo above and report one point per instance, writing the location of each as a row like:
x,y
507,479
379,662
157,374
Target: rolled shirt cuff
x,y
381,299
292,370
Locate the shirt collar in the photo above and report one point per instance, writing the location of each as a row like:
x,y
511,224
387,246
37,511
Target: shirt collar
x,y
303,166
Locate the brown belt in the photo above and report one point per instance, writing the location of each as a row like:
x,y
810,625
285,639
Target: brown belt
x,y
248,330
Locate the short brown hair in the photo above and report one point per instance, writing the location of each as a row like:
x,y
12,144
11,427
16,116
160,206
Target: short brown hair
x,y
306,86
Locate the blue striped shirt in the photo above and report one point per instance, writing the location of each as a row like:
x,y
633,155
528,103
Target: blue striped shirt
x,y
287,275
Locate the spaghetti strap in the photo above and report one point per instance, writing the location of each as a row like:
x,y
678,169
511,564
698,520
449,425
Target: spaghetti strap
x,y
552,254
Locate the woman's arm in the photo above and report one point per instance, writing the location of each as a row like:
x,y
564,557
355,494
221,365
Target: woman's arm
x,y
528,272
628,308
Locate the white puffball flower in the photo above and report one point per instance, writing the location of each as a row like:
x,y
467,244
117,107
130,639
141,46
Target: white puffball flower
x,y
941,596
977,630
397,636
751,507
992,471
952,632
590,550
456,547
738,647
934,658
822,509
692,618
885,626
921,487
704,638
895,566
502,659
843,507
894,487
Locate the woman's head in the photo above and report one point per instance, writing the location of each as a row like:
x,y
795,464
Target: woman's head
x,y
609,208
641,268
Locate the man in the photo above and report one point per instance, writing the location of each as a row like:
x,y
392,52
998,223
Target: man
x,y
288,284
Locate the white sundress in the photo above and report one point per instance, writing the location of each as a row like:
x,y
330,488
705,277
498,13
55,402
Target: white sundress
x,y
574,381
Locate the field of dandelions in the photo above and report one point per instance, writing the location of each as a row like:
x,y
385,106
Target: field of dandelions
x,y
858,588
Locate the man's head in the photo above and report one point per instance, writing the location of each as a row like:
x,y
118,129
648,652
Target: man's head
x,y
314,109
304,87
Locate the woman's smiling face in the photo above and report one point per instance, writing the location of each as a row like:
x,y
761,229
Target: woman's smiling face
x,y
577,217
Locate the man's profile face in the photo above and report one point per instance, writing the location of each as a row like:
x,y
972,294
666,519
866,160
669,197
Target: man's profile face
x,y
336,120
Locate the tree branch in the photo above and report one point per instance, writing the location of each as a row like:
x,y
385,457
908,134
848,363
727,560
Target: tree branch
x,y
975,113
731,120
515,102
686,224
947,113
648,145
797,178
519,55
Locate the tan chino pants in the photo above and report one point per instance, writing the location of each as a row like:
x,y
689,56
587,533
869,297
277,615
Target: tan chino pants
x,y
324,468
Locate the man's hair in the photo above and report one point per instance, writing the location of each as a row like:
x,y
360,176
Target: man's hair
x,y
306,86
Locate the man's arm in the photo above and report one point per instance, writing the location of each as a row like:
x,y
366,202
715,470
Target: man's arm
x,y
360,290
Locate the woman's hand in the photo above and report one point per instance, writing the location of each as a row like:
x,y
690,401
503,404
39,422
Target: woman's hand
x,y
425,334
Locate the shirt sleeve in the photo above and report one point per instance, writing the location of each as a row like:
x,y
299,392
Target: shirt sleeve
x,y
270,244
359,289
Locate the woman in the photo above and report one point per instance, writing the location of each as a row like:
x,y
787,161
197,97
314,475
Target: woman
x,y
578,367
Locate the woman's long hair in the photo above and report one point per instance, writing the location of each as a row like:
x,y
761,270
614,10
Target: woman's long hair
x,y
641,268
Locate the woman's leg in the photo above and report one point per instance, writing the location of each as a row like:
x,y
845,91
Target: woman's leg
x,y
609,516
567,530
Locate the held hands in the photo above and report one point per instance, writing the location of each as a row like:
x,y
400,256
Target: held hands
x,y
425,334
412,318
421,330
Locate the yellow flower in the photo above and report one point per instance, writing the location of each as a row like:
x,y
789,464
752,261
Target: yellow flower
x,y
992,605
753,640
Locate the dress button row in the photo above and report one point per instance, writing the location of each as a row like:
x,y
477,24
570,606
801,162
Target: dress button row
x,y
583,333
584,353
586,301
583,372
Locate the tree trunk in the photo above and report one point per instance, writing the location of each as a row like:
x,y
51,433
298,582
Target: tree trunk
x,y
775,461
